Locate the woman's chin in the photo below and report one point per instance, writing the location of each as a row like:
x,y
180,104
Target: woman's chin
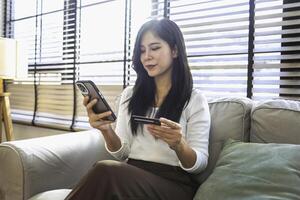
x,y
151,73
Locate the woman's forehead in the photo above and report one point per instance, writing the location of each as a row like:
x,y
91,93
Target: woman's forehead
x,y
150,38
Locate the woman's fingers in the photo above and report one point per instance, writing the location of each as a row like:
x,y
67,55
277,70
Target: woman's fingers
x,y
101,116
157,133
170,123
171,139
163,128
161,132
93,116
85,100
90,105
104,115
169,131
98,121
99,124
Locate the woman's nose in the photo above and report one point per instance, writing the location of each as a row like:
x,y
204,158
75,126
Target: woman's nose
x,y
147,55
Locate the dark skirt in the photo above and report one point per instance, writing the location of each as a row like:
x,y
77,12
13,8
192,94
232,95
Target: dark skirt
x,y
136,179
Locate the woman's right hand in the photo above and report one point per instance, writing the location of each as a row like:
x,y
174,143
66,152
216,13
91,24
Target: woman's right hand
x,y
97,120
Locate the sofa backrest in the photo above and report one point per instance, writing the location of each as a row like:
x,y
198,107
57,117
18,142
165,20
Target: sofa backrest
x,y
275,121
230,118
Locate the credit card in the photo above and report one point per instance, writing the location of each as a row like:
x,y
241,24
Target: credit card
x,y
145,120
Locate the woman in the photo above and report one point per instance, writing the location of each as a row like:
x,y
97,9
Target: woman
x,y
160,158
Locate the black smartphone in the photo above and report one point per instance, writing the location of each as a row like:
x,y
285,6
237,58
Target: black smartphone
x,y
88,88
145,120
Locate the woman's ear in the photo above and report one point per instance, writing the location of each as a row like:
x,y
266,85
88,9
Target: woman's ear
x,y
175,52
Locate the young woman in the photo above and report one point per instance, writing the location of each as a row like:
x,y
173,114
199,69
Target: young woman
x,y
159,158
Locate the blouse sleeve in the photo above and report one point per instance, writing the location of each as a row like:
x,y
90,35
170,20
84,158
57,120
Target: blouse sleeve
x,y
122,127
198,127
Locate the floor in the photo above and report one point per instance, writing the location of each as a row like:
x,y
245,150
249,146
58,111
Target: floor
x,y
25,132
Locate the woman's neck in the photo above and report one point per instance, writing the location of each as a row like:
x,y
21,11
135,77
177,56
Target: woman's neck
x,y
163,87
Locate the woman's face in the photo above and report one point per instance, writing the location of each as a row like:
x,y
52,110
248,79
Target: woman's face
x,y
156,55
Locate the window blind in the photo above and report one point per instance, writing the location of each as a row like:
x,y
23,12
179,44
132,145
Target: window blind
x,y
2,18
102,51
292,86
142,11
66,44
216,36
277,49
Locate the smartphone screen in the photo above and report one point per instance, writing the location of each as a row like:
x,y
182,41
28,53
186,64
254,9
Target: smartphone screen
x,y
88,88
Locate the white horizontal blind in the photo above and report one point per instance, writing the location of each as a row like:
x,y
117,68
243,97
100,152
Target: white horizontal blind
x,y
22,27
69,40
2,17
101,55
49,30
277,49
55,63
64,45
216,36
102,43
22,102
142,11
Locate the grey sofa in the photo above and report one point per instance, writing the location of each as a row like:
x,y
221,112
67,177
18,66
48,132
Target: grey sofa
x,y
46,168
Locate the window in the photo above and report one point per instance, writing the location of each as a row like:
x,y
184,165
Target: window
x,y
49,30
236,48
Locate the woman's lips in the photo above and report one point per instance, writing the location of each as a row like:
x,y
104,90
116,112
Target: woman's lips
x,y
150,66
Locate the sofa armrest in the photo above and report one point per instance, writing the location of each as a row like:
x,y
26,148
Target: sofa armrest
x,y
31,166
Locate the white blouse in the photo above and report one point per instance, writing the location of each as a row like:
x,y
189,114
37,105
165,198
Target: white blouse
x,y
195,123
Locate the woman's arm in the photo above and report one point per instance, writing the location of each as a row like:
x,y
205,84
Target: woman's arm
x,y
112,140
186,154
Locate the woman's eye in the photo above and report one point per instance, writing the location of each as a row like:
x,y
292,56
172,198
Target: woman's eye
x,y
155,48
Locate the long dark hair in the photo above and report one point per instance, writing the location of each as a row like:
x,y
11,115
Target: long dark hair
x,y
144,90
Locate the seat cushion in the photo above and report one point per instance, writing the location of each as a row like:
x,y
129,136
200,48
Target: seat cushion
x,y
60,194
247,171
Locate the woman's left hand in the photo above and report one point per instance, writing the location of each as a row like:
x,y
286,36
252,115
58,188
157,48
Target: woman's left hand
x,y
169,131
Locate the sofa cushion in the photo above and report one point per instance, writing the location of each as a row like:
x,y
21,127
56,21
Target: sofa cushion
x,y
60,194
230,118
276,121
254,171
